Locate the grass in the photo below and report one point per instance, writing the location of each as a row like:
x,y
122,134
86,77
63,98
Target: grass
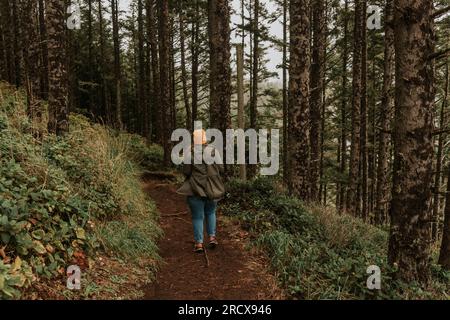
x,y
317,253
67,197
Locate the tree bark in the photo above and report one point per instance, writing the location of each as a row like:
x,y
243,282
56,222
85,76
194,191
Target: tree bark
x,y
187,105
58,110
364,124
285,94
343,154
387,103
195,44
117,67
240,94
173,106
152,38
8,40
444,255
353,199
3,62
142,79
106,112
410,238
164,74
299,77
316,102
30,52
220,74
437,178
90,59
16,44
255,77
44,50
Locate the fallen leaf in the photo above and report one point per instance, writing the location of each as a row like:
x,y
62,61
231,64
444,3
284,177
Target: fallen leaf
x,y
17,264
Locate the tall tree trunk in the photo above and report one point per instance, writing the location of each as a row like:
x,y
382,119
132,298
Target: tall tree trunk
x,y
316,102
106,112
72,48
164,74
16,44
142,97
364,127
437,178
117,67
322,182
58,121
173,90
90,59
220,56
187,105
3,62
240,94
30,52
353,199
195,44
299,77
343,154
8,40
152,38
255,77
372,136
44,50
409,243
444,255
285,94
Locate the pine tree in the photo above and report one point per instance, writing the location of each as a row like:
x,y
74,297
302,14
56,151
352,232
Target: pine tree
x,y
220,59
353,197
58,100
299,77
164,74
409,243
317,90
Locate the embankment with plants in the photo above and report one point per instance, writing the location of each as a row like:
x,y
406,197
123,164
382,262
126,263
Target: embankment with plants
x,y
316,253
67,200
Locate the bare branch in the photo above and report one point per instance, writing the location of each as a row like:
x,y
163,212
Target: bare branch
x,y
440,12
439,132
440,54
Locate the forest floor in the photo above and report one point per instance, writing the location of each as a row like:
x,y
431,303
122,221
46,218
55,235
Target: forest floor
x,y
234,271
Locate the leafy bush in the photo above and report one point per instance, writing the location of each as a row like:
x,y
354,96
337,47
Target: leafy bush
x,y
55,192
316,253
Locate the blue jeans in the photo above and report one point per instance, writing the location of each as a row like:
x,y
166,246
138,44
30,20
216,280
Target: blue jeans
x,y
202,208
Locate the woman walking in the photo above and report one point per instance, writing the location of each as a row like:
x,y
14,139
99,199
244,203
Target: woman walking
x,y
204,188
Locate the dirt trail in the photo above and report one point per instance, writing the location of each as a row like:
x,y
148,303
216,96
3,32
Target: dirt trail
x,y
233,272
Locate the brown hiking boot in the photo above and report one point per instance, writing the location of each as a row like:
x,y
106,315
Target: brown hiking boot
x,y
198,248
213,242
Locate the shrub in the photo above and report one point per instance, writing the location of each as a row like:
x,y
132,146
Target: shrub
x,y
56,191
316,253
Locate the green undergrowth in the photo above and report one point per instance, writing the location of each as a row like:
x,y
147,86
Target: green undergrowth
x,y
63,196
316,253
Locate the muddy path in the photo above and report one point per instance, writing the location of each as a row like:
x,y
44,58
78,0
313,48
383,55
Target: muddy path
x,y
233,271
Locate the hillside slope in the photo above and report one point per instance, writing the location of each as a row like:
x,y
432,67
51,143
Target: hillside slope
x,y
318,254
71,200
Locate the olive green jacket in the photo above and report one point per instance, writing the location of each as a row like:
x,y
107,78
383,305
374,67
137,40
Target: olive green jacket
x,y
203,180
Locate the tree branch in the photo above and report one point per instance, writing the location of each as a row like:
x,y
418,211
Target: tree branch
x,y
440,54
440,12
439,132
